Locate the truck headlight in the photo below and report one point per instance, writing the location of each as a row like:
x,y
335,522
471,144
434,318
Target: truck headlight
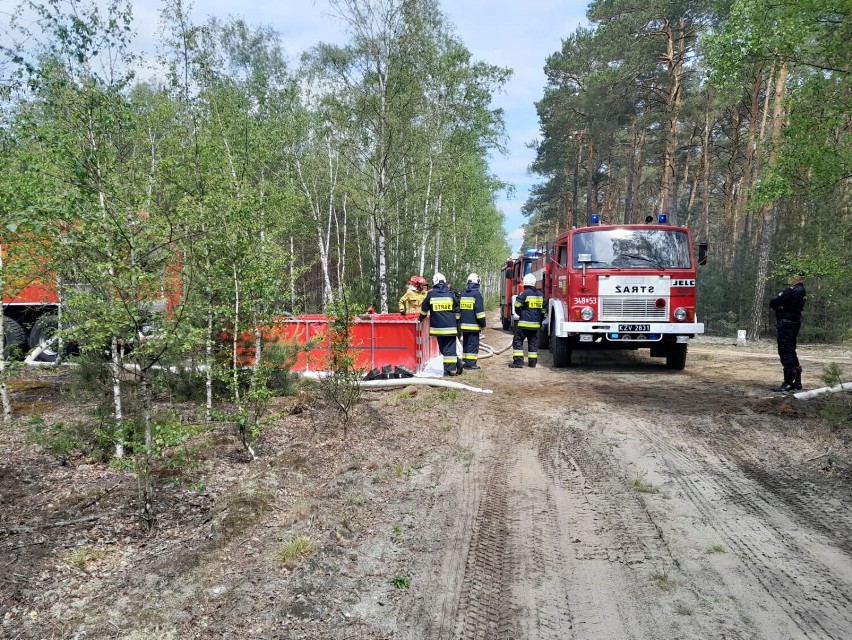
x,y
680,314
587,313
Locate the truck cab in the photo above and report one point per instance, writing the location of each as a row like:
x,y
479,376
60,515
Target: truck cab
x,y
620,287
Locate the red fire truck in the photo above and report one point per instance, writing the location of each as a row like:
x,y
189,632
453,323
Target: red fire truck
x,y
620,287
511,277
30,306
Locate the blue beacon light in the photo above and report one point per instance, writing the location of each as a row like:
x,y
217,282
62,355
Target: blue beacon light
x,y
662,218
596,218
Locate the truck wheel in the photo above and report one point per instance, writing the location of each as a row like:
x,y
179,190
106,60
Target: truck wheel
x,y
16,338
42,335
544,338
561,350
676,357
507,323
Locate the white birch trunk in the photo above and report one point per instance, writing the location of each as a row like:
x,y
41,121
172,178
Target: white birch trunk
x,y
208,368
147,480
323,236
292,276
118,415
424,234
235,341
4,391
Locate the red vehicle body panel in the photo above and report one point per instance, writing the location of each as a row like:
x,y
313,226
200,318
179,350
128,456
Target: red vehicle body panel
x,y
378,340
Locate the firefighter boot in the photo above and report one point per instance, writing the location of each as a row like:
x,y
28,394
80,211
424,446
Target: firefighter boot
x,y
797,381
789,382
517,363
532,363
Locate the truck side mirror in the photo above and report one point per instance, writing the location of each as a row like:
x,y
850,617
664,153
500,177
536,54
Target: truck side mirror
x,y
702,253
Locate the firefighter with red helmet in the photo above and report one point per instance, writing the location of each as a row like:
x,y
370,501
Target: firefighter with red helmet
x,y
529,307
412,299
443,311
472,309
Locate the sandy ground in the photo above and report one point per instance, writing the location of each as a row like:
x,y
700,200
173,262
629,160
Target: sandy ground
x,y
613,499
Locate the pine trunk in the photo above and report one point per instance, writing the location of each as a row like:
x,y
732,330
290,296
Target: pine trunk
x,y
770,211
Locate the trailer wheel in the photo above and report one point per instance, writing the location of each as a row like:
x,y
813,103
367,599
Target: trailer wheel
x,y
561,350
16,338
41,335
676,357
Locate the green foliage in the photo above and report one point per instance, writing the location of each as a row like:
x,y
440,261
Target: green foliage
x,y
88,439
340,386
832,374
400,581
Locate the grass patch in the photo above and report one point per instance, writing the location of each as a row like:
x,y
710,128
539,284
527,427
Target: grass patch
x,y
643,486
716,548
682,610
400,582
396,532
663,581
448,394
290,551
81,557
701,356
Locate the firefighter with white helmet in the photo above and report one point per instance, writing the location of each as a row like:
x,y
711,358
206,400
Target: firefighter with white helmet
x,y
529,306
472,310
443,311
412,299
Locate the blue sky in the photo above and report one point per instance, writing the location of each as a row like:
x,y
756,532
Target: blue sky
x,y
518,34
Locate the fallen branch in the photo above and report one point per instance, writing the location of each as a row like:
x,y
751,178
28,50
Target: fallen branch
x,y
822,455
54,524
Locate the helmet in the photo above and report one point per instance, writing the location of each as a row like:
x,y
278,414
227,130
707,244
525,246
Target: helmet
x,y
421,281
413,281
438,277
473,278
529,280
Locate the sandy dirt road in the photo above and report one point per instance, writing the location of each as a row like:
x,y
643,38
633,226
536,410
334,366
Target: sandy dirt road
x,y
618,499
611,500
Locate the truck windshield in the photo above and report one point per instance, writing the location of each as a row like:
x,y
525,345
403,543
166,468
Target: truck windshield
x,y
632,249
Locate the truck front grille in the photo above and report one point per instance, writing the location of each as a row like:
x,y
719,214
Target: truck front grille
x,y
632,309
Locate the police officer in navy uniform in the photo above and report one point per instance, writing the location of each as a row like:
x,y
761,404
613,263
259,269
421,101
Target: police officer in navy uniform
x,y
472,310
788,307
529,307
443,311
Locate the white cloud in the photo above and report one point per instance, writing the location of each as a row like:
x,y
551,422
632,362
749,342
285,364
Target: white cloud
x,y
515,237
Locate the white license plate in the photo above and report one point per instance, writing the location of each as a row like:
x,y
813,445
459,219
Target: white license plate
x,y
634,327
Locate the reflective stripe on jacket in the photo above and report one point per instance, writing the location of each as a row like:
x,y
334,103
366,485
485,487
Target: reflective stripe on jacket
x,y
529,305
441,307
472,309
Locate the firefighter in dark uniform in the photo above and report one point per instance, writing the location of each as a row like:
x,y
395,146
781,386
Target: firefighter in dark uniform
x,y
443,311
529,306
788,307
472,310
